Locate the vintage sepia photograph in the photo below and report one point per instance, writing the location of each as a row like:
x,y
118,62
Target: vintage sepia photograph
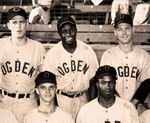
x,y
74,61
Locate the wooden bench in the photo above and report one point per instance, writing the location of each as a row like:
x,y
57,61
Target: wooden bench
x,y
99,37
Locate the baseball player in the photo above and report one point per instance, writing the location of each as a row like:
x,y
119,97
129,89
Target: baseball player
x,y
74,64
20,61
145,116
6,116
120,7
41,11
131,62
107,107
47,111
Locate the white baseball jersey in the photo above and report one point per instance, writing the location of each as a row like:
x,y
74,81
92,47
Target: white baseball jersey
x,y
132,68
6,116
122,111
145,116
58,116
73,70
20,65
141,18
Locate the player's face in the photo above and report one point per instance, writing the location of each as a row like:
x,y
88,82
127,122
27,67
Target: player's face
x,y
68,34
17,26
106,86
47,92
124,33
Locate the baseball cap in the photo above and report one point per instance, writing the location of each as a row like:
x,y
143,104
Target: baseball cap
x,y
16,11
123,18
45,77
65,20
106,70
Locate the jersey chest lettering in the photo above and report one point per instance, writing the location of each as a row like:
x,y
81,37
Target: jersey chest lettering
x,y
79,66
25,68
126,71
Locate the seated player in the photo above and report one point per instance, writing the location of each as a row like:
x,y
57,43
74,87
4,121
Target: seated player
x,y
107,107
47,111
6,116
144,8
41,11
120,7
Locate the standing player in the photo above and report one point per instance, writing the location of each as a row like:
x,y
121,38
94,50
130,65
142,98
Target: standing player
x,y
132,63
47,111
107,107
20,62
74,64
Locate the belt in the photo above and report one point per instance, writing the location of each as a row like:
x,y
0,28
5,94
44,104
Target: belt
x,y
14,95
69,95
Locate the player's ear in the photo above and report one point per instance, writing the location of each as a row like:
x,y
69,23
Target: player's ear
x,y
37,90
27,23
133,29
8,25
115,32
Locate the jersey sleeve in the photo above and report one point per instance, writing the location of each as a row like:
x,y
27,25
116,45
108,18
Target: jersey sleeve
x,y
131,115
145,71
49,63
105,59
93,63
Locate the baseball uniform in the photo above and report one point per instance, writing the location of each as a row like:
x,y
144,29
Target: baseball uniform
x,y
6,116
132,68
19,67
73,72
58,116
122,111
145,116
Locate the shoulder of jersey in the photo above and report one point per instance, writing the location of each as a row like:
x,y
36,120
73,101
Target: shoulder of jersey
x,y
146,113
35,42
88,106
83,45
112,50
126,103
31,113
141,51
4,41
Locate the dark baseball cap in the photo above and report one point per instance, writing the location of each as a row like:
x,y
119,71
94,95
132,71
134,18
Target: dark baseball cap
x,y
123,18
45,77
65,20
106,70
16,11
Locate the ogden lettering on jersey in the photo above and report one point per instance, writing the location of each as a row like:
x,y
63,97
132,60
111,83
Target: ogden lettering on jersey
x,y
126,71
25,68
79,66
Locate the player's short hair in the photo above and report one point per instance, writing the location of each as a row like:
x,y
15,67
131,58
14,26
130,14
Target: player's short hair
x,y
16,11
65,20
105,70
123,18
45,77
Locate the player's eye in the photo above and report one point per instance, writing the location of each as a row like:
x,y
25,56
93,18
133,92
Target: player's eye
x,y
43,87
